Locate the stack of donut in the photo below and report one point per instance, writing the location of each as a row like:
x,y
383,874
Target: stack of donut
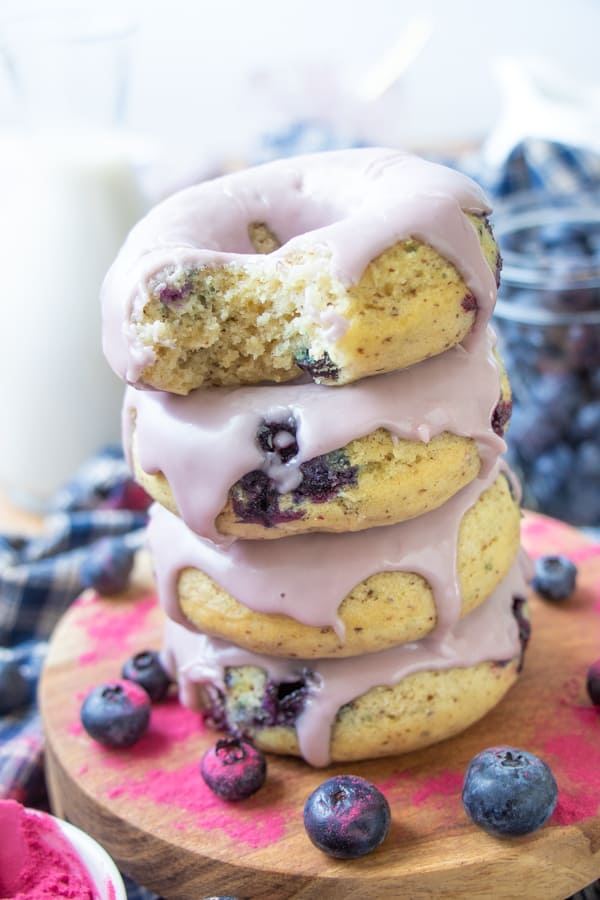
x,y
316,405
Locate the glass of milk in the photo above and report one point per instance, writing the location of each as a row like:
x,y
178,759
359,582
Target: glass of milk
x,y
70,194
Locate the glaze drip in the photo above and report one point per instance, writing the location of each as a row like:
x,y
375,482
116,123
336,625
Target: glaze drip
x,y
489,633
307,576
205,442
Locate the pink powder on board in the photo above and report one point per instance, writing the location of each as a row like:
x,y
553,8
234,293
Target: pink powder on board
x,y
577,768
89,658
113,634
253,822
170,724
438,788
441,791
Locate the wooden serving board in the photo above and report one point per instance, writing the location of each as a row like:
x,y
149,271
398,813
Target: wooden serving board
x,y
150,808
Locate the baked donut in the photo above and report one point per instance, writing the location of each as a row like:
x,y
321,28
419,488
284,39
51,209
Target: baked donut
x,y
391,702
336,265
336,595
272,461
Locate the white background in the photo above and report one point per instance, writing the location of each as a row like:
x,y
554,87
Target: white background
x,y
208,77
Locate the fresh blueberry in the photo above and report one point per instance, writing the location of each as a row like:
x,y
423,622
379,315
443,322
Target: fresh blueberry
x,y
532,431
555,577
347,817
146,669
233,769
582,347
582,502
116,714
508,791
588,460
107,566
587,421
593,682
547,475
15,691
558,395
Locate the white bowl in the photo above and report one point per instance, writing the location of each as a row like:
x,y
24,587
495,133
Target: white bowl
x,y
102,870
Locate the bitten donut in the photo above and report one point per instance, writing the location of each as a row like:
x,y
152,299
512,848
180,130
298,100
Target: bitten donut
x,y
337,265
340,595
391,702
242,462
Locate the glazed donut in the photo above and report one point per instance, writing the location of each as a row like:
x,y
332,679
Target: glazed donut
x,y
340,595
272,461
337,265
390,702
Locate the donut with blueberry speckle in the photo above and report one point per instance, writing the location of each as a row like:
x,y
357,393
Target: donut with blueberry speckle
x,y
334,266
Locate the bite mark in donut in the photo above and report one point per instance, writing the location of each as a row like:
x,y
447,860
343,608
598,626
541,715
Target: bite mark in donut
x,y
366,263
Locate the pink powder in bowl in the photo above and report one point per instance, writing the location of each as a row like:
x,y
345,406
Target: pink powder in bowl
x,y
43,858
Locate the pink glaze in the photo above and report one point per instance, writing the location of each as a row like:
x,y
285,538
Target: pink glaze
x,y
488,633
36,860
346,206
306,577
206,441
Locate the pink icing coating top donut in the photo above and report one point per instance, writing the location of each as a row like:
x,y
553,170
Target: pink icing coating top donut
x,y
355,203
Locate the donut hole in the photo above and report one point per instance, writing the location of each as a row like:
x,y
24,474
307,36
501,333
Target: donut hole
x,y
262,238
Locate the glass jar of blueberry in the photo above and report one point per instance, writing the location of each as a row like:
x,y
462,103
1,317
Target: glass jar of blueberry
x,y
548,322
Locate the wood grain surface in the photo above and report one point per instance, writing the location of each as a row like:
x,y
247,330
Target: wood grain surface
x,y
150,808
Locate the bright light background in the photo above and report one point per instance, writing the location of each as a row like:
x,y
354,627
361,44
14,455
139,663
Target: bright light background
x,y
209,77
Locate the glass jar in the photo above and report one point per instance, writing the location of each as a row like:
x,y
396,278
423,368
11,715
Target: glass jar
x,y
70,193
548,322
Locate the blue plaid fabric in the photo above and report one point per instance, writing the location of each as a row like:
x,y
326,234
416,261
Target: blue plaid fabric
x,y
39,578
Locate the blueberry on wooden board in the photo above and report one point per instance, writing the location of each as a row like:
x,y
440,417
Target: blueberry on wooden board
x,y
509,792
555,577
233,769
145,669
347,817
116,714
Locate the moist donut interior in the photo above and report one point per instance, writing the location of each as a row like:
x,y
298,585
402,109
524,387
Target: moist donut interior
x,y
228,319
237,324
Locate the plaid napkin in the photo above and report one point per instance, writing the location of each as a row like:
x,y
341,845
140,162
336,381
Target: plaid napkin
x,y
39,577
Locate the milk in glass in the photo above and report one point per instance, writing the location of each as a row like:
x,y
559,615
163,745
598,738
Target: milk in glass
x,y
68,196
